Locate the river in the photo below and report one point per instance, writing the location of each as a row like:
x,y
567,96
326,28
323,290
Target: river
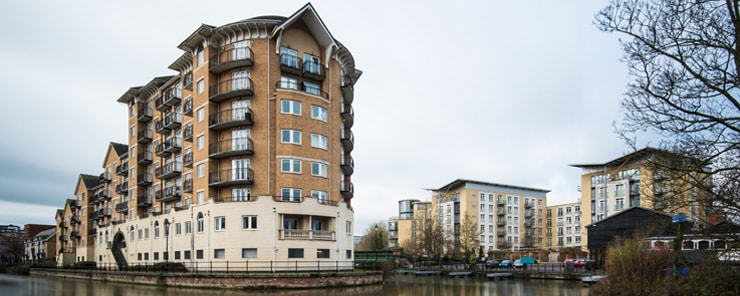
x,y
410,285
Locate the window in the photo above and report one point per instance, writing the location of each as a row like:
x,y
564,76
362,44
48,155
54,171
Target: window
x,y
312,88
133,131
198,254
290,107
141,235
201,86
178,228
201,170
289,165
619,190
186,255
177,255
249,253
249,222
482,196
322,253
201,197
490,198
219,253
188,228
320,196
201,225
348,227
289,57
220,223
311,64
318,113
348,254
318,169
201,56
156,229
290,136
240,194
201,114
201,142
291,194
295,253
288,82
318,141
316,225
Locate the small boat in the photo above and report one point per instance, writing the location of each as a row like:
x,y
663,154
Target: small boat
x,y
497,275
590,280
428,272
460,274
404,271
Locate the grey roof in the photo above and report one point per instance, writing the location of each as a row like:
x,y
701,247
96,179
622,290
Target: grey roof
x,y
121,149
461,182
91,181
46,233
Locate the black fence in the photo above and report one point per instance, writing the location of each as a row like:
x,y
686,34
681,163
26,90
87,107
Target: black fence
x,y
228,267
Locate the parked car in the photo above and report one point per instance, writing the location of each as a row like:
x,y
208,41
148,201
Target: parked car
x,y
490,263
506,264
575,262
518,263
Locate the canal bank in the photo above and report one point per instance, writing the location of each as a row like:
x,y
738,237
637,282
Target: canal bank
x,y
223,281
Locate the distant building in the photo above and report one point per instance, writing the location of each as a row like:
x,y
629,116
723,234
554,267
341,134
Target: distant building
x,y
41,246
508,216
564,228
10,230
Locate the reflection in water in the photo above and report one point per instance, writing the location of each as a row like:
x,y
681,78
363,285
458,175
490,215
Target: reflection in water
x,y
398,285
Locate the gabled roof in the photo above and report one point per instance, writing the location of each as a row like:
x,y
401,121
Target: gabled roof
x,y
46,234
60,212
91,182
628,158
121,151
196,38
130,95
315,25
634,208
461,182
142,93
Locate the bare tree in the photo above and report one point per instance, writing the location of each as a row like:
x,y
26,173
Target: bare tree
x,y
469,236
683,56
375,238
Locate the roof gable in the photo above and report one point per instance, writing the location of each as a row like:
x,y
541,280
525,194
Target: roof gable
x,y
120,150
308,15
89,181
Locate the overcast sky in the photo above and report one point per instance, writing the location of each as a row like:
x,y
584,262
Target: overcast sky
x,y
499,91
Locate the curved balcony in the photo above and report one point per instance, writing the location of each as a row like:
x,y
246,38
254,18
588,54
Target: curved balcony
x,y
347,190
348,140
144,158
231,147
313,90
168,170
144,136
230,118
348,89
312,70
230,88
290,64
168,194
228,177
144,179
348,115
348,165
229,59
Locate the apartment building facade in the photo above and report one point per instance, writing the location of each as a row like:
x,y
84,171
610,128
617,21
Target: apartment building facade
x,y
508,216
403,229
564,226
640,179
243,154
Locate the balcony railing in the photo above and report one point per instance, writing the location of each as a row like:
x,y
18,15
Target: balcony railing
x,y
348,91
122,188
187,186
501,212
501,233
172,96
348,115
501,222
144,199
529,213
230,88
144,158
168,170
171,145
290,64
187,81
187,133
145,113
230,118
306,234
122,169
348,165
187,160
144,179
232,58
312,70
306,88
122,207
529,204
348,140
227,177
172,120
144,136
231,147
168,194
187,107
159,127
347,189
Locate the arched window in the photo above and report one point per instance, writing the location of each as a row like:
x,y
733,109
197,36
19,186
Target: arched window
x,y
201,225
156,229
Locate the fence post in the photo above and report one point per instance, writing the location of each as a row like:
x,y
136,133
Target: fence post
x,y
247,270
227,266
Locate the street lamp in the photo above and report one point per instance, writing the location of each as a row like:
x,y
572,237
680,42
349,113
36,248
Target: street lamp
x,y
377,238
166,240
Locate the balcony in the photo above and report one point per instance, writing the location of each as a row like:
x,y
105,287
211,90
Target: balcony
x,y
348,140
231,147
145,113
312,70
159,127
307,234
187,186
187,107
74,234
230,118
501,233
159,104
105,177
122,188
144,200
528,204
172,145
144,179
229,59
529,213
187,133
168,170
528,223
348,165
187,81
187,160
172,120
122,169
144,158
230,88
144,136
290,64
122,207
501,222
348,115
101,196
348,91
347,189
168,194
172,97
501,212
228,177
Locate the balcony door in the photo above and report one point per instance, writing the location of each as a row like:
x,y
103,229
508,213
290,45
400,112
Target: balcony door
x,y
239,80
240,139
239,169
239,109
239,50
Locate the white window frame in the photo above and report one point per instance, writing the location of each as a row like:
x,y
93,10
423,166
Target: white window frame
x,y
320,196
249,222
318,141
294,166
294,194
290,136
292,107
201,86
318,113
220,223
318,169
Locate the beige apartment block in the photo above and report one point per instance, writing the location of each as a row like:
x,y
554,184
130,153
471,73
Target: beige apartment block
x,y
564,227
509,217
403,230
245,153
639,179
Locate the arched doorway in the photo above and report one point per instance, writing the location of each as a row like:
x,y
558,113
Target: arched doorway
x,y
119,242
